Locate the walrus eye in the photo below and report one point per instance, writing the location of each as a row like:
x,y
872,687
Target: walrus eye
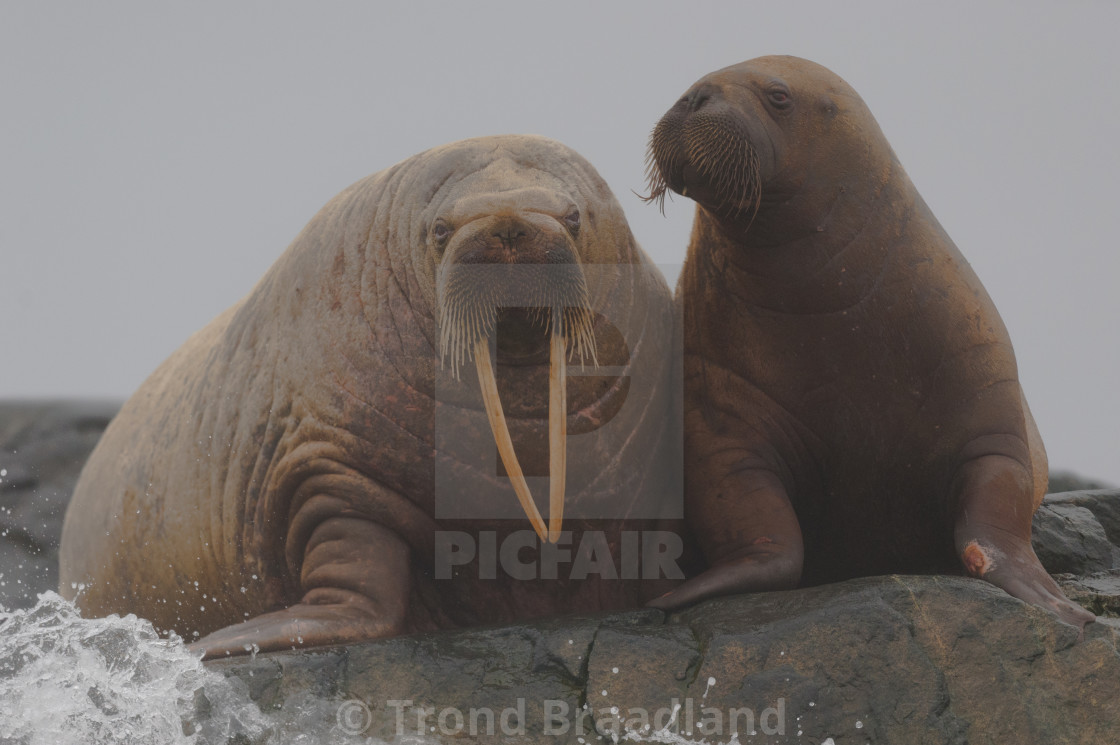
x,y
779,96
441,231
571,220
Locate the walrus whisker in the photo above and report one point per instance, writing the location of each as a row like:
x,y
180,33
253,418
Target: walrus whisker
x,y
655,178
502,439
467,310
579,319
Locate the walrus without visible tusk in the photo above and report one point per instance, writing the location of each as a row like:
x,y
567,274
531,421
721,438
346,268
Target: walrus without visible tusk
x,y
852,404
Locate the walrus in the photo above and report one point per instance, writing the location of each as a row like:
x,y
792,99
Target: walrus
x,y
852,404
291,474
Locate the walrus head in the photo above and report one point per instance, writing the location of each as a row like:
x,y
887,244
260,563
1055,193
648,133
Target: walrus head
x,y
762,132
510,260
520,254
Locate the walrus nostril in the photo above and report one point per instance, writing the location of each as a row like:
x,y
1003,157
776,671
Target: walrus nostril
x,y
510,235
697,97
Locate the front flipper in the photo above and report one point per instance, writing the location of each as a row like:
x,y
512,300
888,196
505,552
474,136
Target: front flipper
x,y
750,535
993,535
301,625
355,577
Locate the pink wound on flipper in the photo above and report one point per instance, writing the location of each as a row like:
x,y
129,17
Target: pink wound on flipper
x,y
976,560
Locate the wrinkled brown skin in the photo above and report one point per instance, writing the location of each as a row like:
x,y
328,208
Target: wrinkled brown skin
x,y
852,405
279,466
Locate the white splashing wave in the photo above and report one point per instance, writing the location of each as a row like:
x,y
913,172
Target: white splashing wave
x,y
68,680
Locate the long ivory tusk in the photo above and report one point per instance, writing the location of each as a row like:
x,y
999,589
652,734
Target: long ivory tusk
x,y
557,433
501,436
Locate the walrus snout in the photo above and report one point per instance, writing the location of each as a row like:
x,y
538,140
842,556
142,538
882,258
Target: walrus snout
x,y
702,148
514,239
525,260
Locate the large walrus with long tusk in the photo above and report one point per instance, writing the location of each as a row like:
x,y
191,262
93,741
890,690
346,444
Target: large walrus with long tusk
x,y
337,457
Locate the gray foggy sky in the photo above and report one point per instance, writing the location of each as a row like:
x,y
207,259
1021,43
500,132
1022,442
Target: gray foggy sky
x,y
155,159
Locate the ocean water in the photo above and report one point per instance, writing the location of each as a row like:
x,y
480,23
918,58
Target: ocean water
x,y
68,680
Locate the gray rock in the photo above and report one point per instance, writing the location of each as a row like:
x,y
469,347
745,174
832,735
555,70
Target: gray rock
x,y
43,446
1099,592
1068,538
898,659
1103,503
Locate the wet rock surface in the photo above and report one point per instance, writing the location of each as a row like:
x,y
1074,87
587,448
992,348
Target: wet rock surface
x,y
898,659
